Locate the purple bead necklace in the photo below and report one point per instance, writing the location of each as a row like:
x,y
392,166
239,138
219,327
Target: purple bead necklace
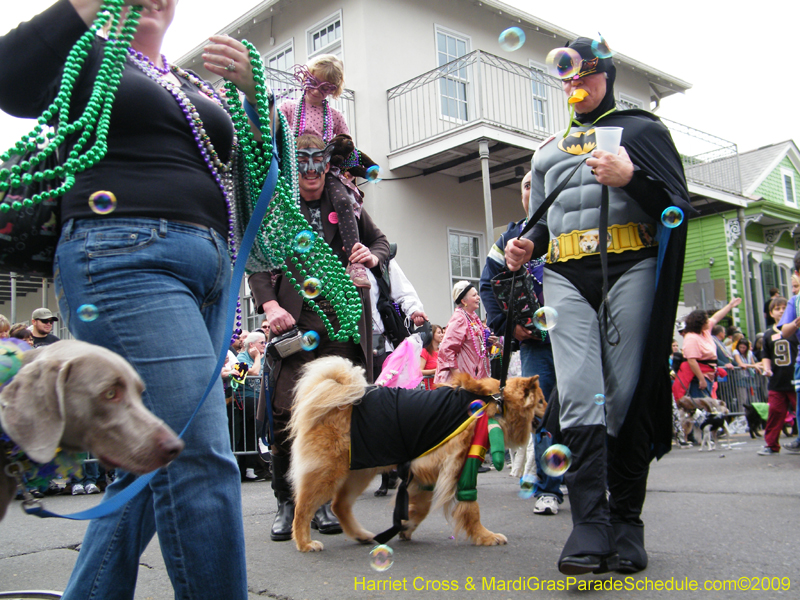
x,y
142,58
204,144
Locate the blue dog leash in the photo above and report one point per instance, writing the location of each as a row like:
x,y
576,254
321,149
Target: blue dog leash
x,y
259,212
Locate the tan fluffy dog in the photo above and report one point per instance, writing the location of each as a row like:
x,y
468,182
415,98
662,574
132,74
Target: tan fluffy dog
x,y
320,469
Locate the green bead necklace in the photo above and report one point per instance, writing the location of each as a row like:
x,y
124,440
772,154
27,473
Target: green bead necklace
x,y
95,119
275,241
276,247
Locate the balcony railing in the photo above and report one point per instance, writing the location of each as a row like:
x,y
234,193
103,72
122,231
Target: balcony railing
x,y
481,87
707,159
478,87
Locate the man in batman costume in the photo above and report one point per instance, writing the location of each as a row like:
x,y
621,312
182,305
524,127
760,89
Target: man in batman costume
x,y
616,309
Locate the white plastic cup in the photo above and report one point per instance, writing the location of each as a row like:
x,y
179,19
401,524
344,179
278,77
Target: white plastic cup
x,y
608,138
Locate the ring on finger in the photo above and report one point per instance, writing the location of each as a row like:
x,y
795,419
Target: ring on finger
x,y
594,172
231,67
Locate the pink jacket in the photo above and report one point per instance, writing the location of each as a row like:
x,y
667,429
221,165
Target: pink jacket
x,y
457,351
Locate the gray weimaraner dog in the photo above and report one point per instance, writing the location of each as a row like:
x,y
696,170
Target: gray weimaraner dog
x,y
80,397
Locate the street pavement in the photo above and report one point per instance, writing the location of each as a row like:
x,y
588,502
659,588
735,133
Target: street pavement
x,y
713,518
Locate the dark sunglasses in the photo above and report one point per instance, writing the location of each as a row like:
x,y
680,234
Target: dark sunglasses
x,y
51,321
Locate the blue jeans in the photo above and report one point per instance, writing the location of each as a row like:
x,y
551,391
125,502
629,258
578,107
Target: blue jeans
x,y
161,290
537,359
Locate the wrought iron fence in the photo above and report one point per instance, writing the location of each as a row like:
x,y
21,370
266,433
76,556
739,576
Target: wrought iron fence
x,y
476,87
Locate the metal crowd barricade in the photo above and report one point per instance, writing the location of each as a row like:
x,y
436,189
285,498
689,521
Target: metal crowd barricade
x,y
242,416
742,386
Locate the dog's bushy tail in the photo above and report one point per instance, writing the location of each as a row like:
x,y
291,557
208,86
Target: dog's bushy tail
x,y
328,383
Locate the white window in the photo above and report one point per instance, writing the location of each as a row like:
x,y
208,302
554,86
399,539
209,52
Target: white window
x,y
626,102
451,46
465,256
326,36
540,90
281,59
787,183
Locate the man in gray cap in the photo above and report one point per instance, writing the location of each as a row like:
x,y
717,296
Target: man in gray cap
x,y
42,325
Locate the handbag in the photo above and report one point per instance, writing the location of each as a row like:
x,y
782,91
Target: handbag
x,y
522,296
29,234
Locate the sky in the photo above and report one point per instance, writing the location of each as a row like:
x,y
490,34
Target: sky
x,y
721,50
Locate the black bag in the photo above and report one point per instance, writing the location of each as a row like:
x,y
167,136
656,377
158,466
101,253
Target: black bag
x,y
394,321
29,235
523,297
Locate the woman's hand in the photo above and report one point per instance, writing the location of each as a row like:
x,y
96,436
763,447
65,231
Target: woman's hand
x,y
229,58
280,321
362,254
702,383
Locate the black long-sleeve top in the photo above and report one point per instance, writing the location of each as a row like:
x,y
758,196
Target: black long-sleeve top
x,y
153,164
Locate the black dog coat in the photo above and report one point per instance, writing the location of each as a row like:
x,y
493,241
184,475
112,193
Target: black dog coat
x,y
394,425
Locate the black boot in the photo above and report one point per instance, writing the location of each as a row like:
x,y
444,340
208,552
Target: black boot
x,y
282,526
590,547
325,521
384,487
627,482
389,481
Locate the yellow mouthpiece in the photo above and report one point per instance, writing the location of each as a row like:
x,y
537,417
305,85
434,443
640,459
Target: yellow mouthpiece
x,y
578,96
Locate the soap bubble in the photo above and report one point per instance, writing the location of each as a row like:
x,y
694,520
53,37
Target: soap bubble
x,y
311,288
564,63
103,203
601,49
512,39
374,174
304,240
475,406
599,399
526,485
546,318
556,460
672,217
310,340
88,312
381,557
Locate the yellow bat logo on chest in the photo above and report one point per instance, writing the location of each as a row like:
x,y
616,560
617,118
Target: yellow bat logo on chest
x,y
578,143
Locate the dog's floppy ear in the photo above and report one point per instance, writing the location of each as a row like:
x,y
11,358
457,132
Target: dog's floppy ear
x,y
31,410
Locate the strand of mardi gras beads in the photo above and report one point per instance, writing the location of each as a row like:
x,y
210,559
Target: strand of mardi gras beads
x,y
95,119
284,237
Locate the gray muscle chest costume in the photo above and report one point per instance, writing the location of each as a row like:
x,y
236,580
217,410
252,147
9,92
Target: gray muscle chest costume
x,y
583,374
578,205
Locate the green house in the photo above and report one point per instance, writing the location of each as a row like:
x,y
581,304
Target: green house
x,y
721,262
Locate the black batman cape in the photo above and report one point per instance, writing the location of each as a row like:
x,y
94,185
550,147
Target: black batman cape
x,y
393,426
658,183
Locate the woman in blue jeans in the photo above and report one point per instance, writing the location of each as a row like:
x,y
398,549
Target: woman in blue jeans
x,y
145,245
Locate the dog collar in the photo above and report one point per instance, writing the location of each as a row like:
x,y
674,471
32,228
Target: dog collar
x,y
30,473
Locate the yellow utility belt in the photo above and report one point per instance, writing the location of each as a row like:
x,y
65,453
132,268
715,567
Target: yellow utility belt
x,y
621,238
